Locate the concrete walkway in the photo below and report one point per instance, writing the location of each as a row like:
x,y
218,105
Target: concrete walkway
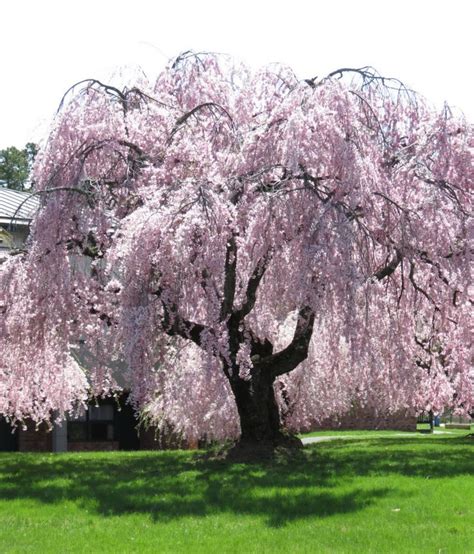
x,y
324,438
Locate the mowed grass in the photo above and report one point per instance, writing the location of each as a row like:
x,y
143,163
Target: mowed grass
x,y
367,494
422,429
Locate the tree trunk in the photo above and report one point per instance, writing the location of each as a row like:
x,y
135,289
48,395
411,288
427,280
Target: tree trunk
x,y
260,424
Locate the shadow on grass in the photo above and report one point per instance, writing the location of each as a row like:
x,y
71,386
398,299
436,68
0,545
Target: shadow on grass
x,y
169,485
432,457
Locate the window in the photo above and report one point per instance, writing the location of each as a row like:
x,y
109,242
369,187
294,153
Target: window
x,y
96,423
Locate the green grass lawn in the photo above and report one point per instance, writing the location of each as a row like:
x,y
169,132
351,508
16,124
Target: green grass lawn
x,y
422,429
367,494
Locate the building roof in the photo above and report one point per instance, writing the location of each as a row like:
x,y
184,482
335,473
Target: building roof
x,y
18,205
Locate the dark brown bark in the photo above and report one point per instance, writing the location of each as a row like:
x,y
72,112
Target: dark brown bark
x,y
258,411
261,431
297,351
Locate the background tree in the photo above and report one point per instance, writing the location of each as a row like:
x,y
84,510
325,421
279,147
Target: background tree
x,y
260,247
16,165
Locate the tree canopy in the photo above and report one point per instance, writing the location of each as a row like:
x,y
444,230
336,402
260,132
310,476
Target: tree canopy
x,y
15,166
261,251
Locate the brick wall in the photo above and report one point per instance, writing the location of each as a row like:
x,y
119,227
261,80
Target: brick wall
x,y
33,439
91,446
367,420
40,440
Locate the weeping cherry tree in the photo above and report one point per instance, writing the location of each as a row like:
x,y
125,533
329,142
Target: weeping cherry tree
x,y
261,252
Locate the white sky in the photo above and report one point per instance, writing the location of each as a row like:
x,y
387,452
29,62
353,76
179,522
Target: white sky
x,y
47,45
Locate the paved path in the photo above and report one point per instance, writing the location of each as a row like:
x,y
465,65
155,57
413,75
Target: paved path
x,y
324,438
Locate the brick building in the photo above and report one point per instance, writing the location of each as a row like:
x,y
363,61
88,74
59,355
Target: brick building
x,y
108,424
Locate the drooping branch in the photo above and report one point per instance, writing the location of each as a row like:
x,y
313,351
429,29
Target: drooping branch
x,y
124,96
113,91
326,195
374,115
401,210
417,287
449,189
85,150
211,106
369,76
45,191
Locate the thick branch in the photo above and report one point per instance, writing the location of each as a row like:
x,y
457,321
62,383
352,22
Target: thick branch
x,y
236,317
88,246
229,277
253,284
211,106
296,352
186,330
389,267
175,325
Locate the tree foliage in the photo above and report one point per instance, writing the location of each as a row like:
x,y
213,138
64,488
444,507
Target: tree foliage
x,y
16,165
261,250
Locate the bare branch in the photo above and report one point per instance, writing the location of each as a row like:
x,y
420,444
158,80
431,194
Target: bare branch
x,y
368,75
369,107
396,204
123,96
113,91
